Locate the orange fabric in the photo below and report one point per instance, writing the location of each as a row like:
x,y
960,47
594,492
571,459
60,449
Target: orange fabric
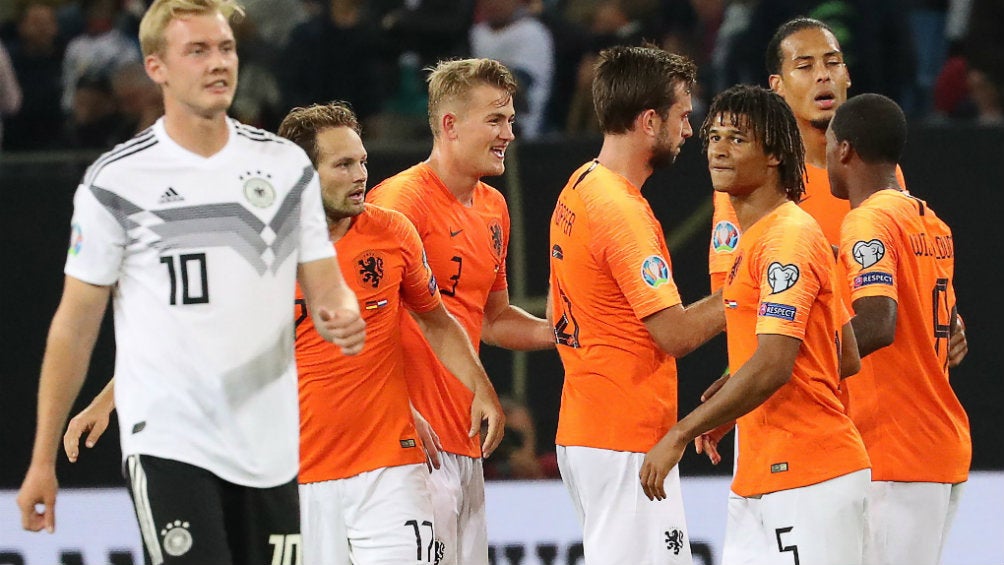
x,y
466,248
827,209
800,436
893,245
354,413
610,268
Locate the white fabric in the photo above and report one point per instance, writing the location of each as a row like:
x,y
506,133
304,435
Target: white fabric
x,y
458,500
380,517
525,44
823,524
209,380
909,522
620,526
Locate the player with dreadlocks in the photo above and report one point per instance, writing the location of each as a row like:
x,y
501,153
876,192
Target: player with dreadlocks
x,y
797,450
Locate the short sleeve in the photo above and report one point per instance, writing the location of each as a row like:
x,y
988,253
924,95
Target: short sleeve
x,y
315,242
629,243
793,265
97,235
868,251
418,288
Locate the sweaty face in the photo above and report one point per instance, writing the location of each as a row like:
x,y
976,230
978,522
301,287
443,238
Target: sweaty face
x,y
198,66
341,168
736,159
483,130
673,131
813,78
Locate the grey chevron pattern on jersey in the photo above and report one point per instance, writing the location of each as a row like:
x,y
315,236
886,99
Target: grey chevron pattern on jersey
x,y
287,219
215,225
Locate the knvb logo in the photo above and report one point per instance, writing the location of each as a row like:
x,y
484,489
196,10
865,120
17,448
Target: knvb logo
x,y
674,540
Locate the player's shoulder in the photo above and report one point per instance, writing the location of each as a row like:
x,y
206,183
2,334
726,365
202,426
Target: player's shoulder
x,y
387,218
257,140
122,158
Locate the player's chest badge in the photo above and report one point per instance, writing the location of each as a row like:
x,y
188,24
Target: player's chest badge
x,y
258,189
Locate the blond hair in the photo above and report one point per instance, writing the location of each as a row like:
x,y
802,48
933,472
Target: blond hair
x,y
161,12
452,80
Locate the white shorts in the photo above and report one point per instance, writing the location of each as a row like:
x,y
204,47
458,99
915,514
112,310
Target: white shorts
x,y
909,522
820,524
458,501
380,517
620,526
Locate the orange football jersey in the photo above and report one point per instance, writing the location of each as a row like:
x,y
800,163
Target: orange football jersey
x,y
610,268
782,282
913,424
466,248
354,411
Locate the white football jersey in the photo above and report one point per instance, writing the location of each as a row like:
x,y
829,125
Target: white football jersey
x,y
203,255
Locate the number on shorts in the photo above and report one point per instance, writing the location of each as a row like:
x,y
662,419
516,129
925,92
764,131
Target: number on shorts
x,y
780,545
418,539
285,547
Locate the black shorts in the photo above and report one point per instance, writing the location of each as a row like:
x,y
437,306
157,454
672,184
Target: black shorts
x,y
189,516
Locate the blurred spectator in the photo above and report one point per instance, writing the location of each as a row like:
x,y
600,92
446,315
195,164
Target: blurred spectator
x,y
509,33
571,41
37,57
139,100
614,22
95,122
274,20
985,92
10,91
928,19
99,51
985,46
258,100
336,55
432,29
516,456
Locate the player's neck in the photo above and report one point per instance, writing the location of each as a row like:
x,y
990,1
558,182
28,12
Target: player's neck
x,y
460,182
338,228
869,181
202,135
623,155
754,205
815,144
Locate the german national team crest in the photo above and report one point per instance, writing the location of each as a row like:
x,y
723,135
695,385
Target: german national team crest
x,y
369,268
258,188
495,228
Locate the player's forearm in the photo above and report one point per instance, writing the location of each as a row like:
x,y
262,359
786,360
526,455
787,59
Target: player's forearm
x,y
517,329
745,390
454,350
64,368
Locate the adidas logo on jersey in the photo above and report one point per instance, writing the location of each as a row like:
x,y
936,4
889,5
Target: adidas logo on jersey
x,y
170,195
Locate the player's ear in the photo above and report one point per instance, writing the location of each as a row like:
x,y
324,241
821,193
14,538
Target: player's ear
x,y
844,151
448,124
776,84
646,122
155,68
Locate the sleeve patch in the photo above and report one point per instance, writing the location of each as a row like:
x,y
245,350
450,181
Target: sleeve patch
x,y
867,253
774,310
781,277
655,271
867,279
725,237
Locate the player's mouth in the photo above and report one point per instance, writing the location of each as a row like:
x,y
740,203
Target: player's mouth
x,y
498,152
825,100
219,86
357,196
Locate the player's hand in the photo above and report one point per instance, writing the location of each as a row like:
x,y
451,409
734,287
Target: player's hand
x,y
707,442
39,488
430,440
93,421
958,346
344,328
659,461
486,408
